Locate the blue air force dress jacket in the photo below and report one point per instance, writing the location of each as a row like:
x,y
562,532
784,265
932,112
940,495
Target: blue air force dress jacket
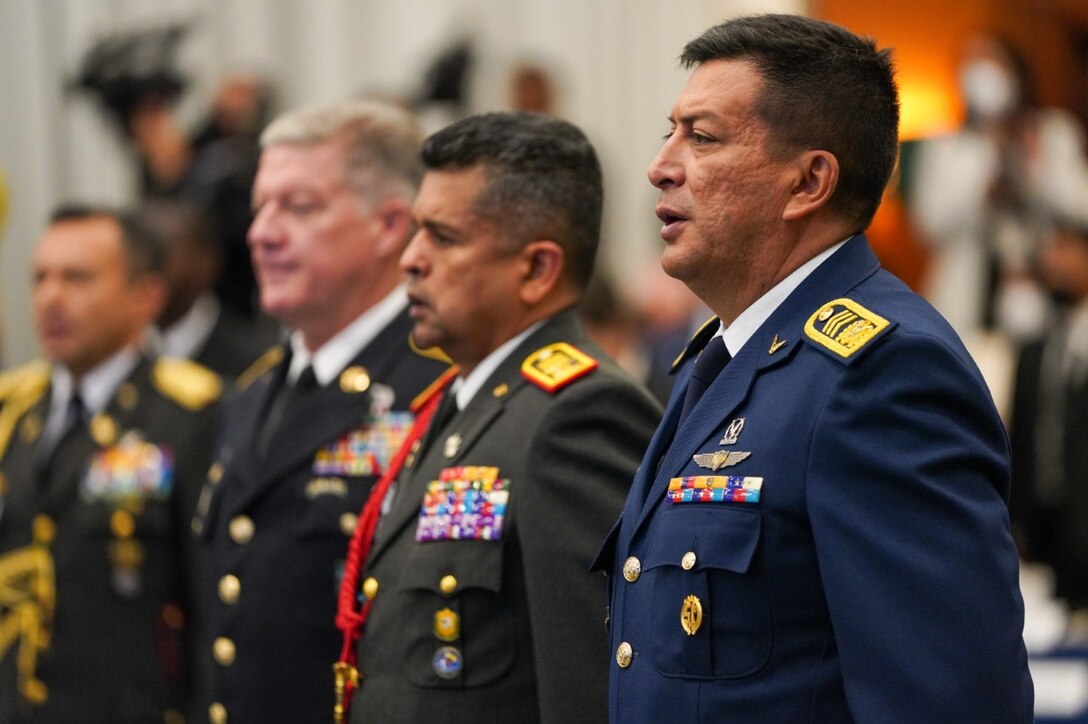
x,y
826,537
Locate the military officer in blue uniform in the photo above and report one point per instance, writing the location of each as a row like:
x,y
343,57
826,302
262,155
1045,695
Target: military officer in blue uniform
x,y
818,531
482,606
103,451
317,419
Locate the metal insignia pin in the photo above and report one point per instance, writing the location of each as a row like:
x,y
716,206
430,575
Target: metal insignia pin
x,y
719,459
732,432
691,615
452,445
777,344
103,429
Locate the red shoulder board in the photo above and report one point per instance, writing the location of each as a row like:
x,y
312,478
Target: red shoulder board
x,y
557,365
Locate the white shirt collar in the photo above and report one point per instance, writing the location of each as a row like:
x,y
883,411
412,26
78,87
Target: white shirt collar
x,y
752,318
466,387
96,388
331,358
187,336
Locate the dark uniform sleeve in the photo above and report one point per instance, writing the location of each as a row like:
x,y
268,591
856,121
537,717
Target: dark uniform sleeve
x,y
907,487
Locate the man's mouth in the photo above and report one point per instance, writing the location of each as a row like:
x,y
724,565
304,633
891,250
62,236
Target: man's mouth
x,y
672,221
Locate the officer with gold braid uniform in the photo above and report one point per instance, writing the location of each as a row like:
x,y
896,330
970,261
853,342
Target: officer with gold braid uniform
x,y
102,452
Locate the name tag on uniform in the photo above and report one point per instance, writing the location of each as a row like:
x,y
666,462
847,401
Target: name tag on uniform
x,y
465,503
133,468
714,489
366,450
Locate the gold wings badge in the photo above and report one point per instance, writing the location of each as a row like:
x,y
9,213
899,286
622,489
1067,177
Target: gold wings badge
x,y
719,459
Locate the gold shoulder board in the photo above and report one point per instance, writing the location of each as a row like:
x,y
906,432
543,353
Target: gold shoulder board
x,y
265,362
192,386
557,365
28,380
843,327
20,390
435,353
698,340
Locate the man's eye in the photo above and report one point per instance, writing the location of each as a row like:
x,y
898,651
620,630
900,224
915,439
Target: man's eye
x,y
301,208
699,139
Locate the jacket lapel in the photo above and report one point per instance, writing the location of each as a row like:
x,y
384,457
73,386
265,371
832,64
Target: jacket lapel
x,y
470,424
845,269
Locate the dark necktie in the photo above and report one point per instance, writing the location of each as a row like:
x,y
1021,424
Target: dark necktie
x,y
288,396
708,365
75,415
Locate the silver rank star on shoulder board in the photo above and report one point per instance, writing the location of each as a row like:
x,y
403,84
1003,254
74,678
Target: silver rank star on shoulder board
x,y
732,432
719,459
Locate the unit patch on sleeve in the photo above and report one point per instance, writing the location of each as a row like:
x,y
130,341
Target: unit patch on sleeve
x,y
465,503
843,327
557,365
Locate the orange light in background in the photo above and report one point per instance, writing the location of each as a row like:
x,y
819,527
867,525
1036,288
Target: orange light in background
x,y
928,106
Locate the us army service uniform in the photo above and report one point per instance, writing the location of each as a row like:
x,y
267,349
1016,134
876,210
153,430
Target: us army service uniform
x,y
825,537
97,566
276,525
483,606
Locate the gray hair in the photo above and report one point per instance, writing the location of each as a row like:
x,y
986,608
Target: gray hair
x,y
382,143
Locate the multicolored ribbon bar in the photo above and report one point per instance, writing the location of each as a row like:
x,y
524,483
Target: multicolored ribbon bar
x,y
365,451
465,503
714,489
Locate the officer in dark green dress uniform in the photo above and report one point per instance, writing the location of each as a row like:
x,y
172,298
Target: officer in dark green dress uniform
x,y
482,604
102,453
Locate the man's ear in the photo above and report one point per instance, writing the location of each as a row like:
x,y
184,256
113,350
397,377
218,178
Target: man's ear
x,y
816,181
392,219
542,264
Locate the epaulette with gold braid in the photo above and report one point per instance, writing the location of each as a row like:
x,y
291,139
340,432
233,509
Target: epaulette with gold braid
x,y
843,327
20,390
27,379
187,383
555,366
272,357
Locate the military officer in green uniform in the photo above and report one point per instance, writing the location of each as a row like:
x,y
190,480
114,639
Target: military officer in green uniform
x,y
482,607
102,453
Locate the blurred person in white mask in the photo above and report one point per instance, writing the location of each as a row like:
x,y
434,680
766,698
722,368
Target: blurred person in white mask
x,y
981,196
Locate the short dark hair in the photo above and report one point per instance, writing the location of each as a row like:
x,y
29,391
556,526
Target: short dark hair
x,y
543,180
141,245
823,88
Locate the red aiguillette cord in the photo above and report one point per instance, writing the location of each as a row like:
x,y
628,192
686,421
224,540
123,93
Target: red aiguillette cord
x,y
348,619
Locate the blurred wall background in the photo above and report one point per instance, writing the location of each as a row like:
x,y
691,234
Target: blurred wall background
x,y
613,62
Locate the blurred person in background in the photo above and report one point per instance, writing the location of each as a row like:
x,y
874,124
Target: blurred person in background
x,y
317,419
194,324
103,449
136,78
982,196
1049,431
